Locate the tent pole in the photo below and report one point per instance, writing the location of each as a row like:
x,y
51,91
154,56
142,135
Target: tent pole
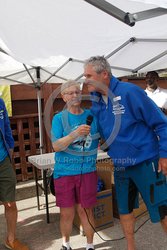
x,y
44,171
39,110
40,121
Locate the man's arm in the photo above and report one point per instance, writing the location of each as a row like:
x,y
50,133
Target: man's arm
x,y
8,132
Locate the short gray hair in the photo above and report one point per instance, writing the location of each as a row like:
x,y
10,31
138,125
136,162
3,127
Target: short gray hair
x,y
99,64
68,84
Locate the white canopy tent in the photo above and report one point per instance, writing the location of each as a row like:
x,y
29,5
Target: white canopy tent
x,y
48,33
55,37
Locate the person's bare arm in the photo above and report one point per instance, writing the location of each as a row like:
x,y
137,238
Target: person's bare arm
x,y
62,143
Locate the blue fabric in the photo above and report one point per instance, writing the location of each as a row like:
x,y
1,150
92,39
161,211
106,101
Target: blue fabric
x,y
133,126
3,151
6,133
71,161
145,177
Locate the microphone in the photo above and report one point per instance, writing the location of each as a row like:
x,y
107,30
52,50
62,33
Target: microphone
x,y
89,120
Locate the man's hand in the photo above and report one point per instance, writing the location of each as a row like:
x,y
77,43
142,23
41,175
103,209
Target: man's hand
x,y
162,165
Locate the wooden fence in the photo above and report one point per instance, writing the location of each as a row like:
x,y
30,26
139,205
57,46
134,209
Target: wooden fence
x,y
25,131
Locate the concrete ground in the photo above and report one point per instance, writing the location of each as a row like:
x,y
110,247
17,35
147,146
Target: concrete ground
x,y
34,231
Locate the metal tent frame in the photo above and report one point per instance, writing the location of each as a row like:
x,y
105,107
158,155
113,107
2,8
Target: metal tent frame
x,y
60,75
126,17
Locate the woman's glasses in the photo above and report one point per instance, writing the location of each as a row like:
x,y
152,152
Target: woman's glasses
x,y
72,93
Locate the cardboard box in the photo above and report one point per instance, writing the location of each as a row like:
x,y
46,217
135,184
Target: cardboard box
x,y
103,212
105,170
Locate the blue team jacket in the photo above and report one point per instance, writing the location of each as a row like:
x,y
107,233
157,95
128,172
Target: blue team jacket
x,y
134,128
5,127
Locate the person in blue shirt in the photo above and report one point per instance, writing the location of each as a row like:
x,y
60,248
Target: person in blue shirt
x,y
135,132
75,140
8,180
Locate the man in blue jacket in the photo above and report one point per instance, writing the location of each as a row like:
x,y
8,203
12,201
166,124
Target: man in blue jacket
x,y
135,132
8,180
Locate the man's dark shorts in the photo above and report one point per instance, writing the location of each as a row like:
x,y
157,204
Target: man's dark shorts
x,y
144,179
7,181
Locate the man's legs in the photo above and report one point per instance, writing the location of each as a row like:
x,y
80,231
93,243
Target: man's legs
x,y
88,230
7,196
11,220
164,224
153,188
128,224
127,199
66,222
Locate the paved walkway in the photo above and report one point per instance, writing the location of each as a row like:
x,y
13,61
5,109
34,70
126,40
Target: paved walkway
x,y
34,231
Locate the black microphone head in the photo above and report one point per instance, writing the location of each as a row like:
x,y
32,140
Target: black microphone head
x,y
89,120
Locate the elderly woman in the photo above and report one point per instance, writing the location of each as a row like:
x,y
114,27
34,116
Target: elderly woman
x,y
75,141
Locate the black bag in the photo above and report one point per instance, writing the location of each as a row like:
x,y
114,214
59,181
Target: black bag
x,y
51,185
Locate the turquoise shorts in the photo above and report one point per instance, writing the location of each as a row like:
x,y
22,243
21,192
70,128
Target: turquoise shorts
x,y
144,179
7,181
